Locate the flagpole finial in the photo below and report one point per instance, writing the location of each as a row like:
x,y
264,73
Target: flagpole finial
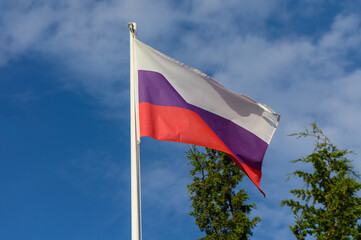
x,y
133,28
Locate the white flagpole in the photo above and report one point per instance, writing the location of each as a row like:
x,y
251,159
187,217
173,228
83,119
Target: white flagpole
x,y
134,138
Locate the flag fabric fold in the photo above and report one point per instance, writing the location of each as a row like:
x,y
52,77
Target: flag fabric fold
x,y
179,103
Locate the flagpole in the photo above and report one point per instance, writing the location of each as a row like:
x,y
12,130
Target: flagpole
x,y
134,138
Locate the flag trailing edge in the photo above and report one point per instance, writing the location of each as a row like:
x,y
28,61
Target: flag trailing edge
x,y
181,104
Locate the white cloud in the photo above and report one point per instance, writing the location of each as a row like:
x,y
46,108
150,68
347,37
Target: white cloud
x,y
274,222
164,181
344,33
22,27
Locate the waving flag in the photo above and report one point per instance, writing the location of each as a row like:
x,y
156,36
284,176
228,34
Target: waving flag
x,y
179,103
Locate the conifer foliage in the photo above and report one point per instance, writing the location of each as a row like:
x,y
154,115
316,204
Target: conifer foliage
x,y
219,209
328,205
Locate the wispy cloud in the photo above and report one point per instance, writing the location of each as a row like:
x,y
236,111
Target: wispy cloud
x,y
164,186
277,227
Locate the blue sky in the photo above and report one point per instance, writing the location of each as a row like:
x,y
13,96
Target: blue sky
x,y
64,105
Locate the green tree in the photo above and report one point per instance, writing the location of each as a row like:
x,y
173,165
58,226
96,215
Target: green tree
x,y
329,206
219,211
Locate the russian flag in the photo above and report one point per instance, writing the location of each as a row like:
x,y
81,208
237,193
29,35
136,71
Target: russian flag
x,y
181,104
